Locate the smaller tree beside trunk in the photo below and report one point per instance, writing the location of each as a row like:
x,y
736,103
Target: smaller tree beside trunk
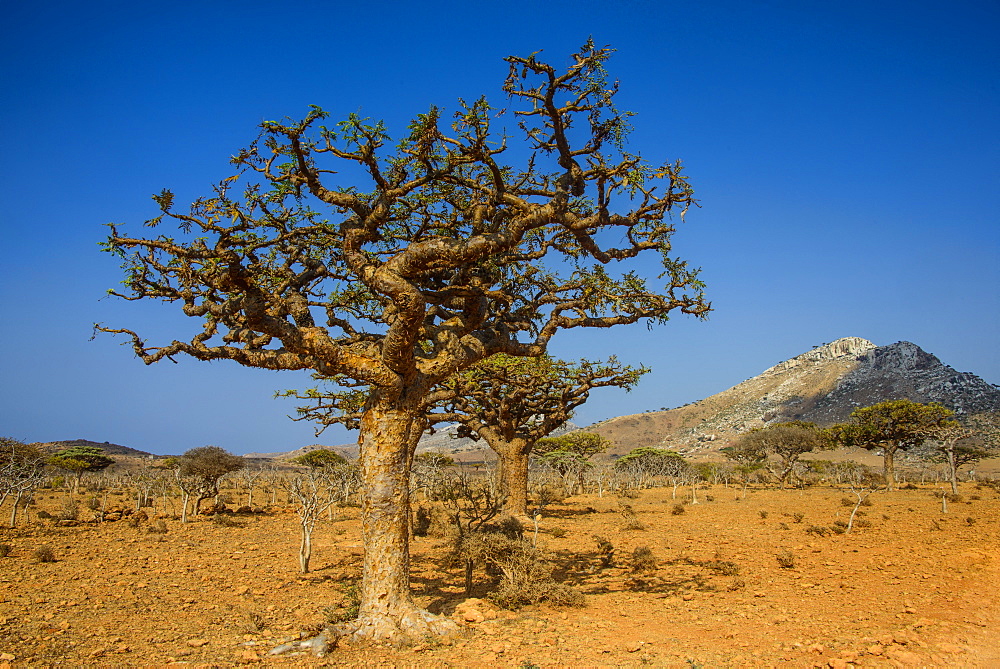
x,y
313,495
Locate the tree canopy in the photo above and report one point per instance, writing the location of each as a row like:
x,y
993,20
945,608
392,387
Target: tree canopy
x,y
80,459
787,441
652,461
395,265
319,458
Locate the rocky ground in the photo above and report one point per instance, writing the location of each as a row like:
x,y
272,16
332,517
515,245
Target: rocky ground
x,y
915,587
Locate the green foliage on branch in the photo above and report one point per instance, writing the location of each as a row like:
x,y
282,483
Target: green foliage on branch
x,y
79,459
651,460
321,457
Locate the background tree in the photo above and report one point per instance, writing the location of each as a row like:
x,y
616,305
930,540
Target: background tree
x,y
509,402
319,458
787,441
569,455
203,467
22,468
313,497
647,462
748,456
249,476
514,403
423,259
892,426
80,459
958,445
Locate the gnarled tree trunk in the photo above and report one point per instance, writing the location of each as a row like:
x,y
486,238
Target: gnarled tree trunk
x,y
387,610
514,457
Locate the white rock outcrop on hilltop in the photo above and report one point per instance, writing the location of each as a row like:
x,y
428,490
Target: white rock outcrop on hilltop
x,y
847,347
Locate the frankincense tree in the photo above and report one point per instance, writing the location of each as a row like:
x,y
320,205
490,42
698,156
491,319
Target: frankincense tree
x,y
447,254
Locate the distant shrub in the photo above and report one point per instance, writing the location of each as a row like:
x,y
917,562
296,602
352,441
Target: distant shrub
x,y
786,559
847,501
44,554
818,530
643,560
798,517
763,514
629,520
558,532
422,521
70,509
224,520
606,550
157,527
677,509
5,550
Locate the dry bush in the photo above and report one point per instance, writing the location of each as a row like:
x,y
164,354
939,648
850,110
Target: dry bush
x,y
434,521
606,550
629,520
524,576
5,550
847,501
69,511
798,517
44,554
224,520
643,560
786,559
677,509
157,527
558,532
763,514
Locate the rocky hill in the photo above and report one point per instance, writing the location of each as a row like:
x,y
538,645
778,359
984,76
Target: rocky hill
x,y
822,385
109,448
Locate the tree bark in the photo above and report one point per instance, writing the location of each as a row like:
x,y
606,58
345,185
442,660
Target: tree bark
x,y
513,473
387,611
889,468
952,471
305,549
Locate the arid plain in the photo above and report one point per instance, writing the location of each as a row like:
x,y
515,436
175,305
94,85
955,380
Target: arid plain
x,y
914,586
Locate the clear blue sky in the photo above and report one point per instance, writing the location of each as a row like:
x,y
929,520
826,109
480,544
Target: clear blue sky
x,y
846,156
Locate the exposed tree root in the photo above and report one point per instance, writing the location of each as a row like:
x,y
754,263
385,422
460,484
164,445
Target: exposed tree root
x,y
411,628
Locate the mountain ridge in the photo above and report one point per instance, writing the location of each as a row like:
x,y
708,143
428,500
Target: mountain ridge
x,y
822,385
